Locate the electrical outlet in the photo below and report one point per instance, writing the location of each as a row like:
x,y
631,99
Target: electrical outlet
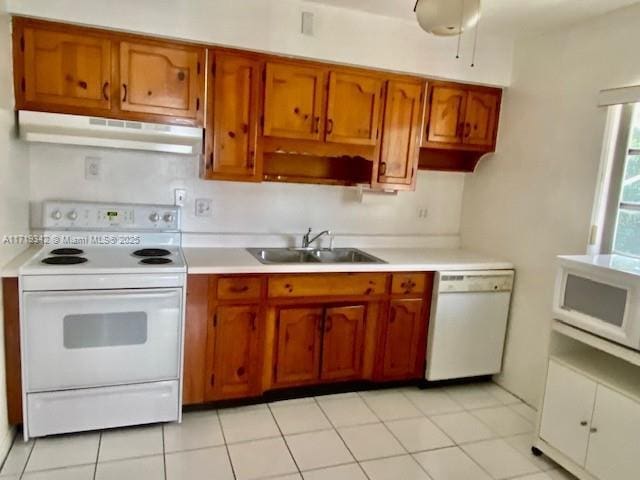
x,y
92,168
203,207
179,196
423,213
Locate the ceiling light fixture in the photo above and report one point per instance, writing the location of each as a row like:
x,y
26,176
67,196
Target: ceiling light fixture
x,y
448,18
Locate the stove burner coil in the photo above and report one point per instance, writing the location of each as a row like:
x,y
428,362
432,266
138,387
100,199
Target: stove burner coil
x,y
156,261
66,251
152,252
64,260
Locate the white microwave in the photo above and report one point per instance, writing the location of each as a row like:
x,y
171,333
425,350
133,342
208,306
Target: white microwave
x,y
601,295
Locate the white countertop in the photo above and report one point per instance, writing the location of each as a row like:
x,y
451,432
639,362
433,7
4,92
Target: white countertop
x,y
237,260
12,268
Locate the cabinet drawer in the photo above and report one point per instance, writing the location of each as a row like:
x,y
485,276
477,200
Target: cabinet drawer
x,y
408,283
232,288
341,284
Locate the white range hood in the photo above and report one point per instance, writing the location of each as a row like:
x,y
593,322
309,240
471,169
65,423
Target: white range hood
x,y
104,132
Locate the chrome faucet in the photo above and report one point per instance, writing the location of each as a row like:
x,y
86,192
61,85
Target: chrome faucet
x,y
307,241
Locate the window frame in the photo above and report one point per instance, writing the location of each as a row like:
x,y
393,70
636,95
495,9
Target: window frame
x,y
619,153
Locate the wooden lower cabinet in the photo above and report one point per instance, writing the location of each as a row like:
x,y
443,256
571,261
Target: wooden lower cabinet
x,y
260,338
298,347
235,354
343,337
318,344
401,340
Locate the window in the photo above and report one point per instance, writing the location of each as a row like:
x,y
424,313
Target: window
x,y
626,234
616,215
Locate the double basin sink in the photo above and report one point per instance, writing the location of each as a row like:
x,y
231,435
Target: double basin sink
x,y
271,256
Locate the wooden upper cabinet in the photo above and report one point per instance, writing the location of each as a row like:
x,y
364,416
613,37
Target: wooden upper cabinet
x,y
298,347
232,126
162,79
236,366
59,71
462,117
401,134
343,339
481,118
446,115
353,108
402,335
294,100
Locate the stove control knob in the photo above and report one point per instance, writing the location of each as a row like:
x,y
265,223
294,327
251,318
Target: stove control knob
x,y
168,217
56,214
72,215
154,217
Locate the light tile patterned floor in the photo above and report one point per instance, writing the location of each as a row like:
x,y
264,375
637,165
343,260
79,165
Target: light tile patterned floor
x,y
470,432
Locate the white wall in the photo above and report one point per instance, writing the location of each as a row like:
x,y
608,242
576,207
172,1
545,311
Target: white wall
x,y
57,172
341,35
14,193
533,200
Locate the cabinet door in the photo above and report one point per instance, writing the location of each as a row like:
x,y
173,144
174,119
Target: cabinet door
x,y
614,442
294,97
481,118
446,115
66,72
353,109
162,80
298,347
402,332
236,367
400,133
234,118
343,342
566,413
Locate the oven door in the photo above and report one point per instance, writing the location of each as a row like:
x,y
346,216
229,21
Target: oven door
x,y
93,338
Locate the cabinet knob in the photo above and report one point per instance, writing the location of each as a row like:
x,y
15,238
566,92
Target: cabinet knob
x,y
593,430
584,423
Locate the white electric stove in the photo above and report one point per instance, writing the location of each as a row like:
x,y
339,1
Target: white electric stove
x,y
102,318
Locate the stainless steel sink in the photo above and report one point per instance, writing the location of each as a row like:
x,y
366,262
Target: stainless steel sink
x,y
270,256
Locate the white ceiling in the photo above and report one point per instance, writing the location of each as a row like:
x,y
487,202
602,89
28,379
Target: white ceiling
x,y
510,17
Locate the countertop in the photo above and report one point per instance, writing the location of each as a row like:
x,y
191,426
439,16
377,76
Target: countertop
x,y
238,260
11,269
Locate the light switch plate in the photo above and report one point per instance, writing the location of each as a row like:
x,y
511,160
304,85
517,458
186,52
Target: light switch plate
x,y
179,196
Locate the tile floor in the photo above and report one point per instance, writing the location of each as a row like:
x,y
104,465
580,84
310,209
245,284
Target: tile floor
x,y
470,432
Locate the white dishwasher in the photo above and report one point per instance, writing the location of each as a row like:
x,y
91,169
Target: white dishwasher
x,y
468,323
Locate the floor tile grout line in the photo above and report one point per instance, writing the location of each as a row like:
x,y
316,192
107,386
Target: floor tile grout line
x,y
335,429
354,425
425,413
24,467
95,467
477,463
284,439
226,445
411,418
164,452
486,424
13,441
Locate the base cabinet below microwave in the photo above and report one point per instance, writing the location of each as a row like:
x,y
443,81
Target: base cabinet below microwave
x,y
596,427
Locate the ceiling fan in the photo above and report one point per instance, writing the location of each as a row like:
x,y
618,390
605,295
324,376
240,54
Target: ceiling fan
x,y
449,18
